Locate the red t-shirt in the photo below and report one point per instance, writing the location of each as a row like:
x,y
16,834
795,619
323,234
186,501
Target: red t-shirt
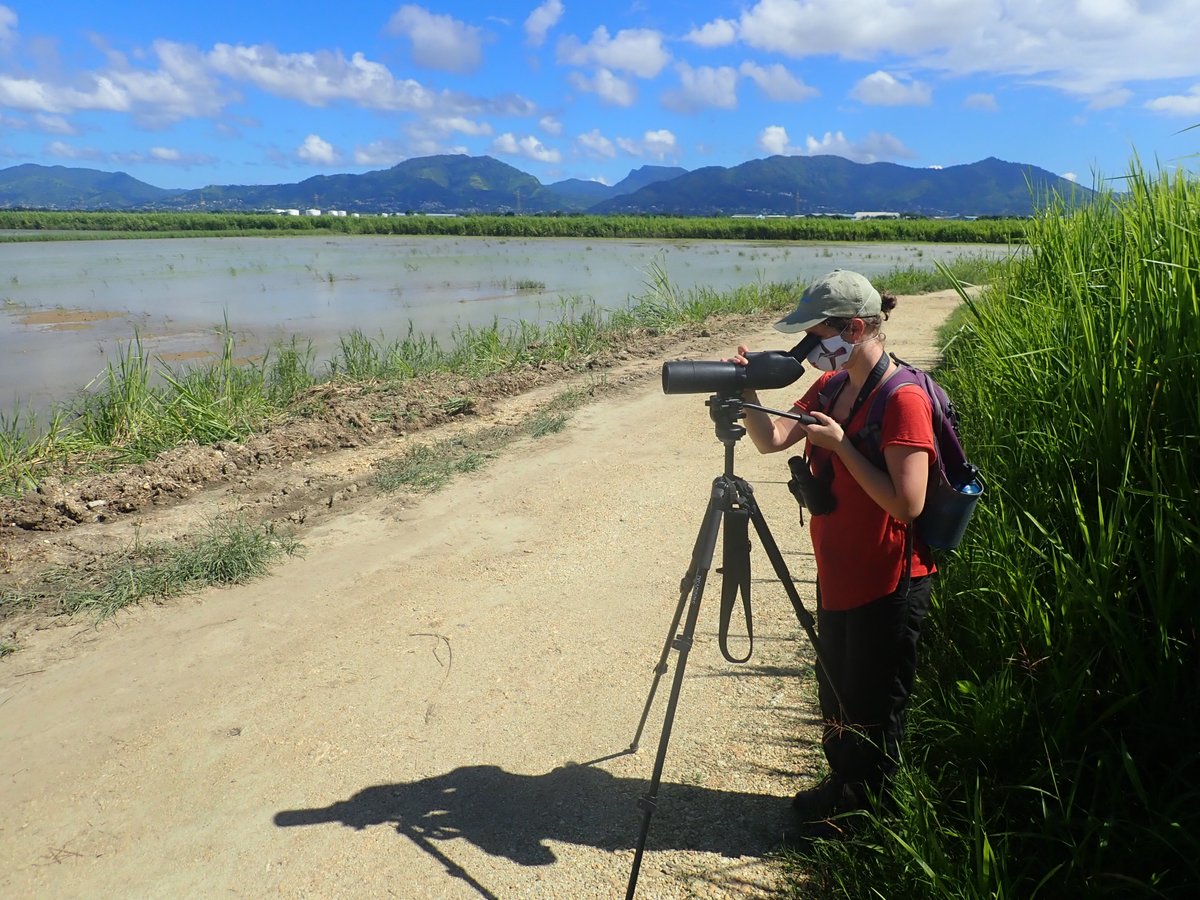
x,y
859,546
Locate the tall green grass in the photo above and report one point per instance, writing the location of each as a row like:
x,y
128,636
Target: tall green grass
x,y
1057,740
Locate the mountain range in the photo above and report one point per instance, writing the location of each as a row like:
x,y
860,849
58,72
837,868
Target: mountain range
x,y
777,185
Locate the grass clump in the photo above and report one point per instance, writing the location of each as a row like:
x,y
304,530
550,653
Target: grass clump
x,y
226,552
428,468
1057,745
966,270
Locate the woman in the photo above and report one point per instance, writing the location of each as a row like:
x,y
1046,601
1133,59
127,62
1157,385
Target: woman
x,y
873,573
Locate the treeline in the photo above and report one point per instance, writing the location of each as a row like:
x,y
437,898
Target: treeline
x,y
43,225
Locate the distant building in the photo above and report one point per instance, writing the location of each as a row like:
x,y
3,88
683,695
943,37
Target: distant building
x,y
312,212
877,215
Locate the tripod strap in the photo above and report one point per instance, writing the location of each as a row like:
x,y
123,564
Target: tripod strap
x,y
735,568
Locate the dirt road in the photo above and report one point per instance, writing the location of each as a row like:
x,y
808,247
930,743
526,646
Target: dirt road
x,y
428,702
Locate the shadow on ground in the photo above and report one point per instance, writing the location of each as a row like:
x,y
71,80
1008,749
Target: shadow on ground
x,y
514,816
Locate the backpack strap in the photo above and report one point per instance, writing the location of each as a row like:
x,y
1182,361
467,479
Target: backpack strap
x,y
867,438
951,459
828,395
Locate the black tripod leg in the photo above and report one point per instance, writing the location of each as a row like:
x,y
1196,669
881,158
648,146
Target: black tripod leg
x,y
806,619
702,556
685,588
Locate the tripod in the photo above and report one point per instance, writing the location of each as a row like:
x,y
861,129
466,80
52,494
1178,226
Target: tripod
x,y
732,499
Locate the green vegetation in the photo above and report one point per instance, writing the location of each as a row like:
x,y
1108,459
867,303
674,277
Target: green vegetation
x,y
104,225
129,416
1055,736
968,270
430,467
227,552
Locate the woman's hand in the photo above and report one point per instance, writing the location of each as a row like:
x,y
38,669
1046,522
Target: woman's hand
x,y
827,433
740,358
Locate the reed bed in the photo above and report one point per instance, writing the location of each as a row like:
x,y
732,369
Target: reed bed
x,y
1055,741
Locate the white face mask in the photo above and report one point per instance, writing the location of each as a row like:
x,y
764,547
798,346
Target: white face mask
x,y
831,354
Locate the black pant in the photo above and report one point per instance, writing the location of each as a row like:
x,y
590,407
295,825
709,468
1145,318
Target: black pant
x,y
871,652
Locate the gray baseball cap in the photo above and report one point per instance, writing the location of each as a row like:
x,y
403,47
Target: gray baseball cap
x,y
839,295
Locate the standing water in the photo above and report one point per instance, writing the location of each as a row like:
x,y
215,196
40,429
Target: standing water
x,y
68,307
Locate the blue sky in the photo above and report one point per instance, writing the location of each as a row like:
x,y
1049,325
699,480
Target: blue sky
x,y
263,92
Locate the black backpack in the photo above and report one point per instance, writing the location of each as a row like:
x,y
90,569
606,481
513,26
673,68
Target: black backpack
x,y
956,487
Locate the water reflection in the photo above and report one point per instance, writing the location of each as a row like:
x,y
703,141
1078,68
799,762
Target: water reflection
x,y
66,308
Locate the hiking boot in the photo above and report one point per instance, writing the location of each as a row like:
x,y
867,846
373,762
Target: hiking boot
x,y
828,798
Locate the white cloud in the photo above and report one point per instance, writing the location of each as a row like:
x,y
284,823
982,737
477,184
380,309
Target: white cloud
x,y
502,105
1178,104
54,124
438,41
1079,48
425,137
874,147
778,83
550,125
528,147
449,124
317,151
8,27
659,144
59,150
1070,176
985,102
541,20
319,78
611,89
180,87
596,145
1110,99
379,153
638,51
38,96
702,87
774,141
160,155
717,33
884,89
855,29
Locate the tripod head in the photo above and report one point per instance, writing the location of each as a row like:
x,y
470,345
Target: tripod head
x,y
725,410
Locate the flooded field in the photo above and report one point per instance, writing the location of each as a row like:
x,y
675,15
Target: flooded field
x,y
66,307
